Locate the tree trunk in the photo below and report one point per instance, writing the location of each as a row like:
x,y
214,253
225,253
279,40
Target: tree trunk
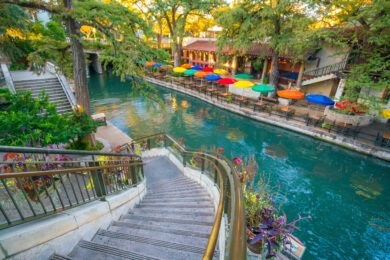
x,y
79,67
274,75
176,49
79,64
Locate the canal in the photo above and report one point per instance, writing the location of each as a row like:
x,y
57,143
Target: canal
x,y
344,192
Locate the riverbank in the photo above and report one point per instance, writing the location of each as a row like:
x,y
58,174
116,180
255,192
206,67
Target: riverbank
x,y
355,144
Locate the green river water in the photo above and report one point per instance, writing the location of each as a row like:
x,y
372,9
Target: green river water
x,y
345,192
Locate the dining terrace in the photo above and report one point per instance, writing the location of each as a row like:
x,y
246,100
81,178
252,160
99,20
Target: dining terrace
x,y
297,114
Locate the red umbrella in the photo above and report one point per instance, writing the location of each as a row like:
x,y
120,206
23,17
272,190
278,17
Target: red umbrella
x,y
351,107
226,81
208,69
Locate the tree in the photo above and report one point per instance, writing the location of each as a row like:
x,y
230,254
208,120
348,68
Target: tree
x,y
112,19
282,25
176,14
364,27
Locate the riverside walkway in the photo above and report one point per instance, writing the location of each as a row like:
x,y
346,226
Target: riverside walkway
x,y
364,141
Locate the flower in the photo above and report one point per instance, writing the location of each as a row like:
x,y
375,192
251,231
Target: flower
x,y
265,225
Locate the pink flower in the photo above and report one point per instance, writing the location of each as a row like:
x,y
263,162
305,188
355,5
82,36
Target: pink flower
x,y
237,161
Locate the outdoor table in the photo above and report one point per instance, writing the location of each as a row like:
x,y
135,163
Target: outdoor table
x,y
240,100
189,84
211,91
260,104
223,95
289,111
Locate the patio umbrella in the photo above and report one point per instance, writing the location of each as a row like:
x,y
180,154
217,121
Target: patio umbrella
x,y
201,74
243,76
243,84
196,67
189,72
226,81
352,107
179,70
221,71
207,69
262,89
186,65
212,77
319,99
291,94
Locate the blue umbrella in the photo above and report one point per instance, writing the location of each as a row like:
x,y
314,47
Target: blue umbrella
x,y
196,67
320,99
212,77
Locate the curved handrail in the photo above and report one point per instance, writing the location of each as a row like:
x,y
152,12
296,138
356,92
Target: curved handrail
x,y
41,181
227,180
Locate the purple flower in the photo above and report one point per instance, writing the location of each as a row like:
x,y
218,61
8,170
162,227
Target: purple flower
x,y
23,128
20,163
5,134
258,196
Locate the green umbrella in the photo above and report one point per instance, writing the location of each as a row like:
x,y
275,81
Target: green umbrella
x,y
190,72
263,89
243,76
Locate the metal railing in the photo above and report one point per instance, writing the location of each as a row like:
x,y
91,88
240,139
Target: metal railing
x,y
36,182
326,70
225,178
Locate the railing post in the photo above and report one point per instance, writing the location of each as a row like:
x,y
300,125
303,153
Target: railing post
x,y
98,180
202,168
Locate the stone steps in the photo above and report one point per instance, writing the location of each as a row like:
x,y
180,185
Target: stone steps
x,y
169,223
52,88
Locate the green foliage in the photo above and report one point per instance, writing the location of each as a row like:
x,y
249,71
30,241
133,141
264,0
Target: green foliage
x,y
35,122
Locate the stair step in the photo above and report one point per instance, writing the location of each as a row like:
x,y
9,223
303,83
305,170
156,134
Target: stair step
x,y
153,247
168,199
204,212
194,204
177,188
60,257
173,215
169,220
166,225
182,195
90,250
185,238
176,181
159,228
183,192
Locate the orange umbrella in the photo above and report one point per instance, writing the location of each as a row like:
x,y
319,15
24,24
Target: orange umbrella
x,y
201,74
291,94
186,66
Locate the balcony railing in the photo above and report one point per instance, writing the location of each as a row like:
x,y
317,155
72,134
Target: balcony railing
x,y
326,70
222,173
38,182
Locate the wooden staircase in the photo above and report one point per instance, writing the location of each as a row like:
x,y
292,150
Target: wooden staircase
x,y
173,221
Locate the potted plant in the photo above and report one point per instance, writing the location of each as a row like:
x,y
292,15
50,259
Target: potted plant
x,y
267,230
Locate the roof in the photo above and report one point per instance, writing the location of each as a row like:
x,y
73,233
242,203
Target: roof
x,y
210,46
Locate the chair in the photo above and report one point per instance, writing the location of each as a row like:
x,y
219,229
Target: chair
x,y
288,111
314,120
383,139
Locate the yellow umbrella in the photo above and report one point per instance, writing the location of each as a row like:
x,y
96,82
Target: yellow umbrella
x,y
179,69
221,72
243,84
